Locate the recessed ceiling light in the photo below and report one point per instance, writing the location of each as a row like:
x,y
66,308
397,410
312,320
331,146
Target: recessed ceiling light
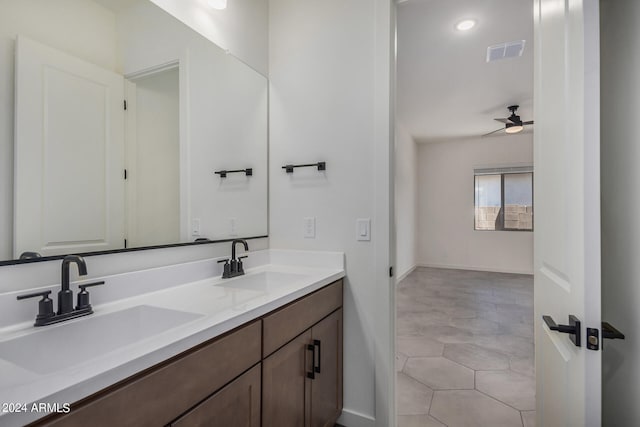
x,y
217,4
465,25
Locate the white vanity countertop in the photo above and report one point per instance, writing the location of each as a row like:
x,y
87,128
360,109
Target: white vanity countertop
x,y
203,308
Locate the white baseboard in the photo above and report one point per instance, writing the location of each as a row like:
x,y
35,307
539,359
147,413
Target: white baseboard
x,y
476,268
351,418
401,277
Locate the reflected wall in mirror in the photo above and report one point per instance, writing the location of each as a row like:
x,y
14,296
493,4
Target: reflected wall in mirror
x,y
82,173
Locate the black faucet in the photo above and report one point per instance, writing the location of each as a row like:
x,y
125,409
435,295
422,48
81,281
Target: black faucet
x,y
65,295
66,311
233,247
234,267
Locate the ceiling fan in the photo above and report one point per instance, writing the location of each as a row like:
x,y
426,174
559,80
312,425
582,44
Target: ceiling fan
x,y
513,123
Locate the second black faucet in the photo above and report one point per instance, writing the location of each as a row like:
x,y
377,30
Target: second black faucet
x,y
234,267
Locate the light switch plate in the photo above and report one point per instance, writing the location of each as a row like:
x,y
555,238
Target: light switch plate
x,y
363,229
310,227
233,227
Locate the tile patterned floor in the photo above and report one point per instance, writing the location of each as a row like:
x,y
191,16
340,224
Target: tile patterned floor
x,y
465,354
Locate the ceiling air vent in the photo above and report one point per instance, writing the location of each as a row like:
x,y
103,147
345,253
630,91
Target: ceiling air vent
x,y
505,50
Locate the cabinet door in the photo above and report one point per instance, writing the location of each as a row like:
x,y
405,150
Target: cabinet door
x,y
326,387
237,405
285,385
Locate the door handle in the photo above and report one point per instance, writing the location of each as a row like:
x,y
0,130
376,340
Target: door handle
x,y
312,374
317,343
573,328
610,332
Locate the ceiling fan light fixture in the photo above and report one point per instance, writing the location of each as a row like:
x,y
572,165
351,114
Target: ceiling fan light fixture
x,y
465,24
513,128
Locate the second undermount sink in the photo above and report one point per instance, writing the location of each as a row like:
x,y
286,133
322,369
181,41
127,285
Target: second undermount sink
x,y
50,349
264,281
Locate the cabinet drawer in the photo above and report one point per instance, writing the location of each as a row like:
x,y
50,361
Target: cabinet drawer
x,y
285,324
237,405
156,398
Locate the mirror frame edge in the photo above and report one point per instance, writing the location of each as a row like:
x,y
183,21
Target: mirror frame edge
x,y
115,251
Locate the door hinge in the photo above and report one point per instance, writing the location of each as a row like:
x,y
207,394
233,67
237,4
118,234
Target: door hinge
x,y
125,243
391,271
125,104
125,174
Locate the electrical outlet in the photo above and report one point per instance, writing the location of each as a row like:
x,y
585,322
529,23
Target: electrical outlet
x,y
310,227
233,227
195,227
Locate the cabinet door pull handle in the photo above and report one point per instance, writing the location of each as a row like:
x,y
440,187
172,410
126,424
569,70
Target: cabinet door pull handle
x,y
312,349
317,343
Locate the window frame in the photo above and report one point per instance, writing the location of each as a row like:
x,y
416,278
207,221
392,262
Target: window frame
x,y
501,215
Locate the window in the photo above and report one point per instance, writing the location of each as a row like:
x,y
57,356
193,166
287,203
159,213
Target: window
x,y
504,199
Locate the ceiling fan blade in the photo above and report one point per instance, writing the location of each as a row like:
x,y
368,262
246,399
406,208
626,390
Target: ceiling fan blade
x,y
490,133
530,122
505,121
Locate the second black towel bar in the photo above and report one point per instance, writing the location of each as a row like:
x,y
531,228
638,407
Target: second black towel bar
x,y
320,165
223,173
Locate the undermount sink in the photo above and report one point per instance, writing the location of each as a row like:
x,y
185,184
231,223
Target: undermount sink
x,y
54,348
264,281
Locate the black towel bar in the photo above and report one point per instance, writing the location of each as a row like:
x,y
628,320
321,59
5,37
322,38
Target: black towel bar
x,y
320,165
223,173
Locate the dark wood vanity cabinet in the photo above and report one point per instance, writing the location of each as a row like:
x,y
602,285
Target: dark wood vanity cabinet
x,y
326,387
258,374
237,405
161,394
302,380
285,385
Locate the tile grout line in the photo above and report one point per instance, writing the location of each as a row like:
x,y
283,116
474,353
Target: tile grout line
x,y
431,402
504,403
433,416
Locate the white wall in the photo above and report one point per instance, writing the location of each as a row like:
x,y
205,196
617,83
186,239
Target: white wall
x,y
406,207
241,28
324,62
446,206
620,175
57,23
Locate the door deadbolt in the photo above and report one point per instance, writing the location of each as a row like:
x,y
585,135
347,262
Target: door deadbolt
x,y
593,339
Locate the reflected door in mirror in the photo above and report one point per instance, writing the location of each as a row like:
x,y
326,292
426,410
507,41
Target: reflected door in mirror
x,y
69,184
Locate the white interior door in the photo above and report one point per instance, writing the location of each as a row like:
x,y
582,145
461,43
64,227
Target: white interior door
x,y
69,153
567,197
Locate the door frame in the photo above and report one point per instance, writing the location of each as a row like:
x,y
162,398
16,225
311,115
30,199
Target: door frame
x,y
182,64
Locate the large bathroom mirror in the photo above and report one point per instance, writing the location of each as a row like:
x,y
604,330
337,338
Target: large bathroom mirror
x,y
117,124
